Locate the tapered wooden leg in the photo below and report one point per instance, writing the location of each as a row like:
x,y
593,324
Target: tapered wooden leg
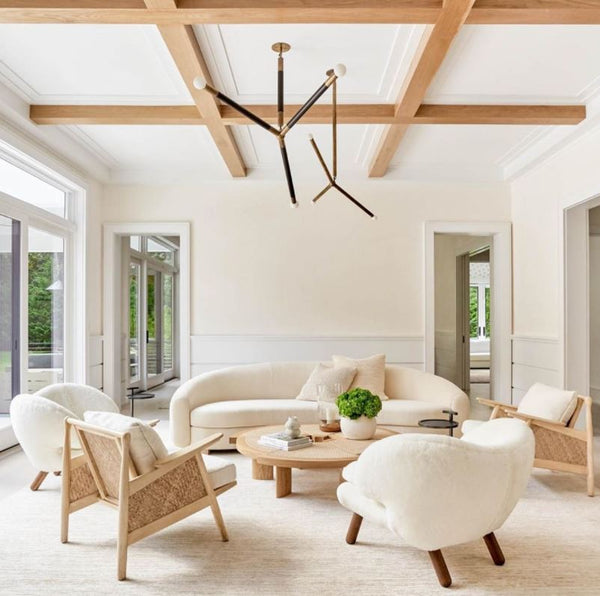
x,y
283,482
590,479
494,548
441,570
353,528
37,481
216,511
261,472
57,473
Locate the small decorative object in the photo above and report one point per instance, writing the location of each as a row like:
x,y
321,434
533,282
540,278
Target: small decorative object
x,y
329,414
292,428
358,409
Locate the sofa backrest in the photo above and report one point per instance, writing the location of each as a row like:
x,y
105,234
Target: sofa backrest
x,y
272,380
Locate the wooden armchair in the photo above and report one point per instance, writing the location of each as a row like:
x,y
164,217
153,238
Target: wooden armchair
x,y
178,486
558,446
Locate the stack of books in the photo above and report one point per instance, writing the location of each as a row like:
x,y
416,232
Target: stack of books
x,y
281,441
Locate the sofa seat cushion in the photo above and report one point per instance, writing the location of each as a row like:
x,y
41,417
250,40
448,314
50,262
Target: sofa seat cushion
x,y
220,470
407,412
240,413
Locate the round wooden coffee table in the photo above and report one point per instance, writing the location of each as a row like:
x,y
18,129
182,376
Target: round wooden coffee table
x,y
335,452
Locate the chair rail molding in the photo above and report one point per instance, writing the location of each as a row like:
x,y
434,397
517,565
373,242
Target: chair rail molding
x,y
210,352
501,295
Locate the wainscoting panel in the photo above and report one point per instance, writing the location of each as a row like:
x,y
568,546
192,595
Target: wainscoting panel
x,y
210,352
95,361
534,360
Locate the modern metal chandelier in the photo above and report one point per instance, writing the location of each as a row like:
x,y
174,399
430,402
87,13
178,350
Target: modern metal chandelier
x,y
332,176
282,129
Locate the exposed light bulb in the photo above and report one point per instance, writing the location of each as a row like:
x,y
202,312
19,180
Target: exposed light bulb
x,y
199,83
339,70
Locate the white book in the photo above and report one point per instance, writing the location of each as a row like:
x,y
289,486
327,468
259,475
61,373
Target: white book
x,y
284,446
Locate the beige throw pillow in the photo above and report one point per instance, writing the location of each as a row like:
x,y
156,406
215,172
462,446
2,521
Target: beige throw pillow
x,y
145,446
329,376
370,373
548,403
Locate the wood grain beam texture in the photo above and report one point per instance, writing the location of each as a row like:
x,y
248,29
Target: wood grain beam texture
x,y
183,46
318,114
433,47
187,12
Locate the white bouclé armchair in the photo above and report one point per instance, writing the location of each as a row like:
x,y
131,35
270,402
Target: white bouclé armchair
x,y
437,491
38,421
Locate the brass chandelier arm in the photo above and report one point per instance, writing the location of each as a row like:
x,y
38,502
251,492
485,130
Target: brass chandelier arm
x,y
330,185
321,160
334,132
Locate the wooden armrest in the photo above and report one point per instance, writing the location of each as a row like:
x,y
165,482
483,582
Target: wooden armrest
x,y
528,418
494,404
189,451
153,422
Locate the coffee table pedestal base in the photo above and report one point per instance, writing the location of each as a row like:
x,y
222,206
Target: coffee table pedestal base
x,y
261,471
283,482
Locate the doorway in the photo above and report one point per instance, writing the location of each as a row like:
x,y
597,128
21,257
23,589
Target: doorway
x,y
150,309
460,308
463,311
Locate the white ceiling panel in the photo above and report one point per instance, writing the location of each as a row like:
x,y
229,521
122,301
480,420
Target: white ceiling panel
x,y
244,66
89,64
155,148
521,63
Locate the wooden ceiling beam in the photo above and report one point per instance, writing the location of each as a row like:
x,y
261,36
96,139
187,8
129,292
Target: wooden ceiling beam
x,y
433,47
185,51
188,12
318,114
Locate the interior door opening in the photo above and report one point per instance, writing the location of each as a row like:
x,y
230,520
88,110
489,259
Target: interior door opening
x,y
463,312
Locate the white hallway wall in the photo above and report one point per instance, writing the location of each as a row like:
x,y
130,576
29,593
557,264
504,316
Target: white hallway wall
x,y
538,200
269,282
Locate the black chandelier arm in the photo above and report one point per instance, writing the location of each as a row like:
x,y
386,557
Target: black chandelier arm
x,y
242,110
320,158
351,198
288,171
308,104
280,91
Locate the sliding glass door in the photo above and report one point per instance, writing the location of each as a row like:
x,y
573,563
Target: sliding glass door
x,y
9,309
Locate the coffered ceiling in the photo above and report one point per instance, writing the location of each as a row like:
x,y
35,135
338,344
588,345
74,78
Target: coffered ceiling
x,y
130,65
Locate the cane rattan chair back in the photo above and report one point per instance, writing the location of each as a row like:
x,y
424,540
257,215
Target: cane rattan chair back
x,y
177,487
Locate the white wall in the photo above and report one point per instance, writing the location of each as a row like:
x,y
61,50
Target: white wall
x,y
538,201
262,269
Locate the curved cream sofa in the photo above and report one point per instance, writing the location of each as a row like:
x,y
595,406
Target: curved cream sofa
x,y
232,399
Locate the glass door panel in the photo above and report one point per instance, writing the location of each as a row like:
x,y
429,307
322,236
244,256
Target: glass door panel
x,y
134,322
46,326
9,311
153,326
167,322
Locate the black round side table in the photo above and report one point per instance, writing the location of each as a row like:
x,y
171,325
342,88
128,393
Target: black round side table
x,y
450,424
133,396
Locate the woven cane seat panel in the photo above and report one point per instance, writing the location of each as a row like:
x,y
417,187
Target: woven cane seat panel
x,y
107,458
82,483
555,446
176,489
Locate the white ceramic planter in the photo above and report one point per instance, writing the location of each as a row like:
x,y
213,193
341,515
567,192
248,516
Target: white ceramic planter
x,y
361,429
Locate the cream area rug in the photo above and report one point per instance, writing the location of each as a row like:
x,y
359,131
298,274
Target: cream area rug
x,y
296,545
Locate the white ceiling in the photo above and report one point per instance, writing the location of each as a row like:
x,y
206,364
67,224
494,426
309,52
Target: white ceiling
x,y
117,64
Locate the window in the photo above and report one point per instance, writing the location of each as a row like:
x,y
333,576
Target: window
x,y
479,311
38,273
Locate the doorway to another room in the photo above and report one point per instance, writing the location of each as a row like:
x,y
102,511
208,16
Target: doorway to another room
x,y
463,313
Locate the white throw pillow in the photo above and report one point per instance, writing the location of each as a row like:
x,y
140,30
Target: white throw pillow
x,y
329,376
549,403
370,373
145,446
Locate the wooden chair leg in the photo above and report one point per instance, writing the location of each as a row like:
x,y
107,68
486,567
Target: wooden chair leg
x,y
441,570
494,548
57,473
216,511
590,480
37,481
353,528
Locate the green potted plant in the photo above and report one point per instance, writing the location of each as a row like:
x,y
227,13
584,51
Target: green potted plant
x,y
358,410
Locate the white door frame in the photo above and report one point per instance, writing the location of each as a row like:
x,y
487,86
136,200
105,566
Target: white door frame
x,y
501,297
113,345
